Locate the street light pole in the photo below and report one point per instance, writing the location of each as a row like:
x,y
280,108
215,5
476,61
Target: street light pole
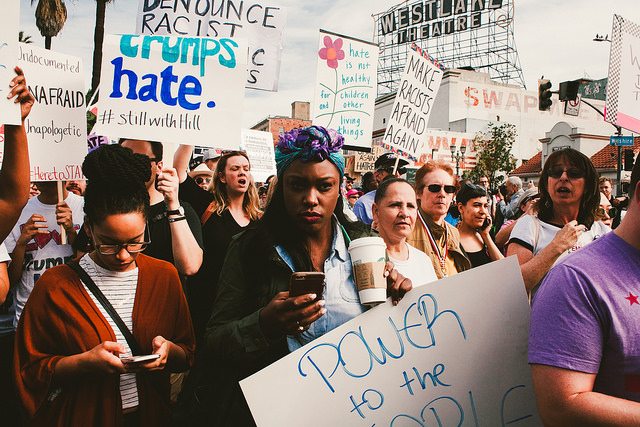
x,y
458,156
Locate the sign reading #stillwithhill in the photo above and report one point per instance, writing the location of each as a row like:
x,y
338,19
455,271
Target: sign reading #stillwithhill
x,y
451,353
172,89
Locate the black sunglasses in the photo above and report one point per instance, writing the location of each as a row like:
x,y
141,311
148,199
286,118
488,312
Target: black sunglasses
x,y
571,173
199,180
435,188
389,169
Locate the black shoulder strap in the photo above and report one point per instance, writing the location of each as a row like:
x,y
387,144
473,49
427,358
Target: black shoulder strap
x,y
133,344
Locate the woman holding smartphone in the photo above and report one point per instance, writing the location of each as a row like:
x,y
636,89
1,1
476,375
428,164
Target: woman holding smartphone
x,y
82,324
475,225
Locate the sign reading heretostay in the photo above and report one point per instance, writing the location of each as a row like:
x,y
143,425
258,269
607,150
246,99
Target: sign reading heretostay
x,y
187,90
57,125
9,111
261,24
452,352
346,84
416,94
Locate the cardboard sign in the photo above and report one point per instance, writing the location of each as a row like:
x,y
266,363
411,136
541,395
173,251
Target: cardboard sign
x,y
262,24
416,94
346,84
57,125
185,90
365,162
9,111
451,353
259,148
623,89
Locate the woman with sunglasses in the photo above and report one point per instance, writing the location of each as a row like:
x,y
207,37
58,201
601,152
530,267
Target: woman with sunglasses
x,y
432,234
475,225
82,321
229,206
565,220
202,175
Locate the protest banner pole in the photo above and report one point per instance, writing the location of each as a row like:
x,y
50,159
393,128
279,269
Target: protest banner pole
x,y
395,165
63,232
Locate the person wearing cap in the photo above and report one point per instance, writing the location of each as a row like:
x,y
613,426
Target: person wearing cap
x,y
254,321
352,197
384,167
211,158
202,175
348,184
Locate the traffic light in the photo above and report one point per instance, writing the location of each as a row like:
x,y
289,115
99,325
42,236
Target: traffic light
x,y
568,91
544,94
628,159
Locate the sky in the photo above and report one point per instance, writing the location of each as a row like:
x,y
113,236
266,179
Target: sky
x,y
554,39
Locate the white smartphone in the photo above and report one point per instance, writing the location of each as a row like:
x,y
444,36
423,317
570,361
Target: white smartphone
x,y
140,359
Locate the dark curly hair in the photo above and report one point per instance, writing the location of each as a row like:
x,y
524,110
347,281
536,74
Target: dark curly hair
x,y
590,200
116,180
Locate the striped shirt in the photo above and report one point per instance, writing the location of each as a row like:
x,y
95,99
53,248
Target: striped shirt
x,y
119,287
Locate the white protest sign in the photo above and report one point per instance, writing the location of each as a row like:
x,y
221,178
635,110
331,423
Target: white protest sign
x,y
414,101
261,23
9,111
346,84
259,148
57,125
623,89
185,90
451,353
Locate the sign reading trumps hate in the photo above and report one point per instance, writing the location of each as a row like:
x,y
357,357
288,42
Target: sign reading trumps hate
x,y
183,90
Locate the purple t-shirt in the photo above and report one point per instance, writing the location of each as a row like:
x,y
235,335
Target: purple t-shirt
x,y
586,316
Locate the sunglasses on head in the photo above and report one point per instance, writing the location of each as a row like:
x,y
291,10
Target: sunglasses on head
x,y
612,212
571,173
389,169
435,188
199,180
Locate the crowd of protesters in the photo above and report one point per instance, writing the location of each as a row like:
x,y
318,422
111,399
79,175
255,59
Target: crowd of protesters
x,y
145,294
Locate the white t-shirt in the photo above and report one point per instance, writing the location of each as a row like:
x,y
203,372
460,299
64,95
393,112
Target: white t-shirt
x,y
44,250
418,267
524,233
4,255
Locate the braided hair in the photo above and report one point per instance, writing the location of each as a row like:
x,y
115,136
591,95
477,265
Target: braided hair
x,y
116,180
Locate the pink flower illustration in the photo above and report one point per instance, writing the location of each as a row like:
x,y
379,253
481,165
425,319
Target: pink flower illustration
x,y
332,52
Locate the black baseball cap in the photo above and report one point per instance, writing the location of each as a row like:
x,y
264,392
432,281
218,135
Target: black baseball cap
x,y
389,159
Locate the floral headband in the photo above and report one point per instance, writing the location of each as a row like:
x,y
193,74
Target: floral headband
x,y
313,143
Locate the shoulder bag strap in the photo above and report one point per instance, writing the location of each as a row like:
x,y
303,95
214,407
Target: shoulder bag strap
x,y
133,344
208,212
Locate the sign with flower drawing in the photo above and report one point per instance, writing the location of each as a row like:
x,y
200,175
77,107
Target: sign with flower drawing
x,y
346,81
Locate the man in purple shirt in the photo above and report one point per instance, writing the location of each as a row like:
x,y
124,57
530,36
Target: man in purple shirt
x,y
584,336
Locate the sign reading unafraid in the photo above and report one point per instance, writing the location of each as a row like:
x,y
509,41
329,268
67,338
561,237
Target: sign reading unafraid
x,y
451,353
262,24
186,90
57,125
346,88
416,94
259,148
623,89
9,111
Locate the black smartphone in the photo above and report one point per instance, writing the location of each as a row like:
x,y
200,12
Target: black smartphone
x,y
485,224
302,283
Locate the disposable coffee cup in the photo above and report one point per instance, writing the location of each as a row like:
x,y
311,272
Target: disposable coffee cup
x,y
368,259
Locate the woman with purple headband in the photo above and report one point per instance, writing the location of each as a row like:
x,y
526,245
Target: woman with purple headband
x,y
254,321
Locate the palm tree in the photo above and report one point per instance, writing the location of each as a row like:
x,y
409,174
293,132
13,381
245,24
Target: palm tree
x,y
98,38
22,38
50,18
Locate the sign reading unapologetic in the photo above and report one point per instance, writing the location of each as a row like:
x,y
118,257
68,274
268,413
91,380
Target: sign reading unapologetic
x,y
412,107
451,353
57,125
623,89
346,84
261,23
9,111
187,90
259,148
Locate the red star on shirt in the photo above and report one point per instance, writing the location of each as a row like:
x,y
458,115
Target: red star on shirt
x,y
633,299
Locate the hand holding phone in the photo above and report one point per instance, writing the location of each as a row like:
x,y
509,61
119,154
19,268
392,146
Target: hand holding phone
x,y
140,359
486,223
302,283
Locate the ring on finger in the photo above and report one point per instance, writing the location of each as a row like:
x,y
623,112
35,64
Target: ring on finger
x,y
300,327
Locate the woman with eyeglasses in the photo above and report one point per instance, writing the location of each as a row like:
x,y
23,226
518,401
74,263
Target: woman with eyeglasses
x,y
605,212
475,225
432,234
84,320
230,206
565,220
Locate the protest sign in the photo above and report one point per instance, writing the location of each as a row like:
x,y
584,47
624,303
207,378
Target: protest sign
x,y
346,84
9,111
414,101
365,162
623,89
94,141
259,148
451,353
57,125
261,23
185,90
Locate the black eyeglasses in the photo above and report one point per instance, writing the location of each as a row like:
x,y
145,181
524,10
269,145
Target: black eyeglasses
x,y
571,173
132,248
612,212
435,188
389,169
199,180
